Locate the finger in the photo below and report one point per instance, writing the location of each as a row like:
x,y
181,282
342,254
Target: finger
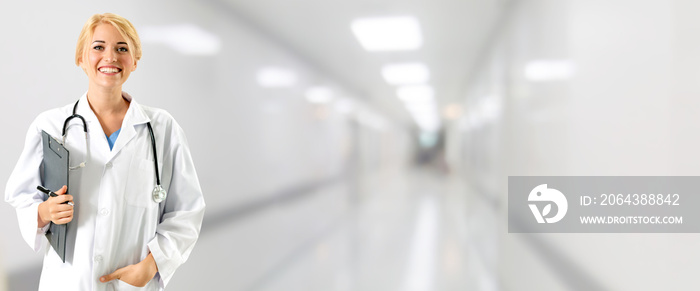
x,y
63,220
58,200
64,214
63,198
115,275
61,207
62,190
60,211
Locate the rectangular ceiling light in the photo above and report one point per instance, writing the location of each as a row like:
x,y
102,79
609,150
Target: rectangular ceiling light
x,y
405,74
421,107
415,93
344,105
388,33
319,94
427,122
420,103
549,70
187,39
274,77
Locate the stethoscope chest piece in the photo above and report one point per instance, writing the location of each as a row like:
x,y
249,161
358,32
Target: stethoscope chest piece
x,y
159,194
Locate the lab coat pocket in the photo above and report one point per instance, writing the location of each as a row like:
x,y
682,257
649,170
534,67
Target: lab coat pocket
x,y
140,184
123,286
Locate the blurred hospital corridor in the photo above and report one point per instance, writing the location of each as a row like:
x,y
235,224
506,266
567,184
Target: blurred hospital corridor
x,y
402,231
367,145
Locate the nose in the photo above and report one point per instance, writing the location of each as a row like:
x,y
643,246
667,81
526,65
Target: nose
x,y
110,56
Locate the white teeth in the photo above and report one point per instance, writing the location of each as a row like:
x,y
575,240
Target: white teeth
x,y
109,70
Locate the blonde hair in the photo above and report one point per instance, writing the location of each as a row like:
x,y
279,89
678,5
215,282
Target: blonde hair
x,y
125,28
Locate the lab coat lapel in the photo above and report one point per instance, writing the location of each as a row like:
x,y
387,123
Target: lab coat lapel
x,y
135,117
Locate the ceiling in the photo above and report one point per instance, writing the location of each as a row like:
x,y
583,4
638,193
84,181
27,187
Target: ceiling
x,y
318,31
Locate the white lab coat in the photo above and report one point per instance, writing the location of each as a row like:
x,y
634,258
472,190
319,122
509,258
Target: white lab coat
x,y
116,222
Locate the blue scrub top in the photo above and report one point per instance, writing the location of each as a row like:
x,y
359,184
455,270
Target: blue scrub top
x,y
111,139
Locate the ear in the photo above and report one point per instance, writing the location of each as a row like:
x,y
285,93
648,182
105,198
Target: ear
x,y
134,67
82,64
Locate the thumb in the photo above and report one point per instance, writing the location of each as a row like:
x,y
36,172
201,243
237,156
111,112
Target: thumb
x,y
110,277
62,190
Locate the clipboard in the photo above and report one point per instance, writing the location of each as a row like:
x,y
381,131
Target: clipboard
x,y
54,173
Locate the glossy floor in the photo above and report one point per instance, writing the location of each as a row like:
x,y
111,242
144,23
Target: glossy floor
x,y
400,230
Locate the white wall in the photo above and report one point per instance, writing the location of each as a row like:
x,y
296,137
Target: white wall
x,y
247,141
631,108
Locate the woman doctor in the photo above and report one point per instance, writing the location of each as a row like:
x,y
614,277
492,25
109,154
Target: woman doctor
x,y
120,236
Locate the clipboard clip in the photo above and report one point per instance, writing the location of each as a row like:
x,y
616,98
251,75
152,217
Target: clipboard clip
x,y
55,148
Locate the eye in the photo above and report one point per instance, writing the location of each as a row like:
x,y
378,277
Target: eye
x,y
122,49
98,47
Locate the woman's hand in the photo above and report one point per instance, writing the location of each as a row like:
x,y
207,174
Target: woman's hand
x,y
136,275
53,209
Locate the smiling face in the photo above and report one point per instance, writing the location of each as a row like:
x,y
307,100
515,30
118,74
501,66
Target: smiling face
x,y
107,60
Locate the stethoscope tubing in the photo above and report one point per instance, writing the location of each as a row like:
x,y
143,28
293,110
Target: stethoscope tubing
x,y
155,155
65,123
150,131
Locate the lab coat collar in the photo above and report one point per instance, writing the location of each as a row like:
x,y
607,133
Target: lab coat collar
x,y
85,110
135,111
135,116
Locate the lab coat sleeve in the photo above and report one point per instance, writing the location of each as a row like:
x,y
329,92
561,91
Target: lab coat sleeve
x,y
21,192
183,213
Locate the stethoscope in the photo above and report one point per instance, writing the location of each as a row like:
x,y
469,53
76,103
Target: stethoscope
x,y
159,193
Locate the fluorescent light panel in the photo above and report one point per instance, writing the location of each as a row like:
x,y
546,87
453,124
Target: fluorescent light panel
x,y
420,103
549,70
344,106
421,109
388,33
415,93
319,95
404,74
274,77
187,39
429,123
